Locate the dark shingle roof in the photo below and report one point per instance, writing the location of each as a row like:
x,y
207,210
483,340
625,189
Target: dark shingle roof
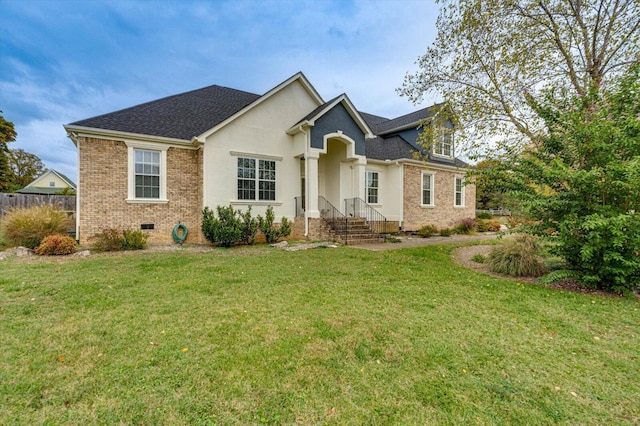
x,y
393,148
180,116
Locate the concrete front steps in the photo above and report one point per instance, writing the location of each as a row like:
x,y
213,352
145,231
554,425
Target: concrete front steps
x,y
358,231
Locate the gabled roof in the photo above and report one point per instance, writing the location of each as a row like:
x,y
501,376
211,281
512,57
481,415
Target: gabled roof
x,y
32,188
194,114
383,125
393,148
182,116
310,118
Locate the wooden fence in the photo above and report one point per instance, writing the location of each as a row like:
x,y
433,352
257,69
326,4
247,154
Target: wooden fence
x,y
9,201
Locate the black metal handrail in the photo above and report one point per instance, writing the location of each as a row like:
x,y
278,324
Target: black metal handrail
x,y
357,207
334,217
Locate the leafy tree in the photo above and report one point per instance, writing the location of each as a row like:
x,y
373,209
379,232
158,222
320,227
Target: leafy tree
x,y
581,182
25,167
7,134
489,54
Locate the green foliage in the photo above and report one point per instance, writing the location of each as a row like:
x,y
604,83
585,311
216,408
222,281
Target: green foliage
x,y
56,245
484,215
478,258
579,183
558,275
271,232
112,239
606,250
224,230
465,226
446,232
249,226
28,227
134,239
427,231
488,225
7,134
25,167
517,256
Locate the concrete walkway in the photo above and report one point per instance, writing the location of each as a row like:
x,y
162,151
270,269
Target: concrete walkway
x,y
408,242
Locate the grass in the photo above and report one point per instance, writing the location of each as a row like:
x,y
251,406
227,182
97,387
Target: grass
x,y
332,336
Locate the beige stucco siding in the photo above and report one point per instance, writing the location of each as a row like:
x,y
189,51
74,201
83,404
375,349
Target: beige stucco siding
x,y
103,191
443,213
259,133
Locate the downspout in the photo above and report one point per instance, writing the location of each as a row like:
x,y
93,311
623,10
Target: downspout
x,y
74,138
401,194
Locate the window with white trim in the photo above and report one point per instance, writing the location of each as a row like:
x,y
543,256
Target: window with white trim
x,y
443,142
147,174
256,179
427,189
372,187
459,192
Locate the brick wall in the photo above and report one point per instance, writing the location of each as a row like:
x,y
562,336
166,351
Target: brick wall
x,y
103,190
443,214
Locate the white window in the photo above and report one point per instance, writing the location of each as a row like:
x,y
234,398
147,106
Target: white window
x,y
147,172
373,187
443,142
459,192
427,189
256,179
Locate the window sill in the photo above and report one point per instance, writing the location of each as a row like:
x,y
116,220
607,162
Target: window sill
x,y
459,207
146,201
427,206
256,202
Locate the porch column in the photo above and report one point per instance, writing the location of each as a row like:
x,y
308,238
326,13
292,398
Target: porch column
x,y
359,175
311,179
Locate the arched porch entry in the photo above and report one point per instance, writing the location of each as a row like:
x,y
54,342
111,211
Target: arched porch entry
x,y
334,172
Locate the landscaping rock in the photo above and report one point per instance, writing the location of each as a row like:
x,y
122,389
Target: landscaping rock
x,y
310,246
83,253
281,244
23,251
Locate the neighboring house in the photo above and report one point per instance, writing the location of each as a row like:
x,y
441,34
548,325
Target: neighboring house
x,y
51,182
156,165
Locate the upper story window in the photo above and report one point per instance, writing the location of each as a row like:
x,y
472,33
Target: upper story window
x,y
459,192
256,179
52,183
427,189
443,144
373,187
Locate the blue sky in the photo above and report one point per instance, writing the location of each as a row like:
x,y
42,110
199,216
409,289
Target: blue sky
x,y
66,60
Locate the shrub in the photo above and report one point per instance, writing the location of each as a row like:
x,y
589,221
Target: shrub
x,y
465,226
249,227
109,239
493,225
112,239
272,233
56,245
482,226
427,231
225,230
604,250
518,256
484,215
478,258
134,239
28,227
446,232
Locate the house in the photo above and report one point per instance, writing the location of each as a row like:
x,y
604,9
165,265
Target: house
x,y
51,182
156,165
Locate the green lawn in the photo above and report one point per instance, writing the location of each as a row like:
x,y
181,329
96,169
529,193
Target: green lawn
x,y
325,336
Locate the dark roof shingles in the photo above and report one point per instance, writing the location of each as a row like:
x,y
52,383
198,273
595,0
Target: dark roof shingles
x,y
180,116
